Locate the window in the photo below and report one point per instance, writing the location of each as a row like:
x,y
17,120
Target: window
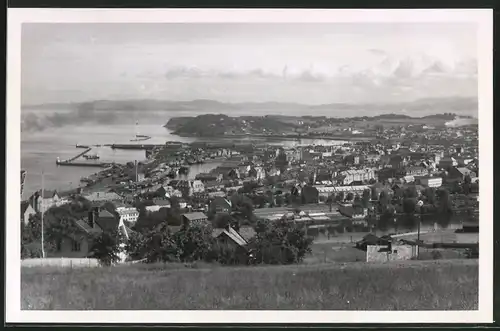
x,y
75,246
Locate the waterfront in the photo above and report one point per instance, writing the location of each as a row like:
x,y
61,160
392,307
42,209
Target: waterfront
x,y
40,149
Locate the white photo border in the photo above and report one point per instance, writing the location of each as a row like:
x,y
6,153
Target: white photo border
x,y
482,17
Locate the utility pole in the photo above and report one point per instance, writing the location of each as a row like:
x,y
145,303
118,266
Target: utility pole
x,y
41,218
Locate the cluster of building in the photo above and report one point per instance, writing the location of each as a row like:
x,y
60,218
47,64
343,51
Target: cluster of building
x,y
336,172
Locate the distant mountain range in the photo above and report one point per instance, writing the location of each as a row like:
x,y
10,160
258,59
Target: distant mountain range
x,y
432,105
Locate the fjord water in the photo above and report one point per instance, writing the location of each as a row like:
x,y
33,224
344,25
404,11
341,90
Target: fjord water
x,y
41,148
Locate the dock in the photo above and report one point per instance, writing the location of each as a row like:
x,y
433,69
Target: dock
x,y
70,162
83,164
79,155
135,146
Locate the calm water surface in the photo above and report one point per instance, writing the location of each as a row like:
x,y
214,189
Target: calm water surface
x,y
40,149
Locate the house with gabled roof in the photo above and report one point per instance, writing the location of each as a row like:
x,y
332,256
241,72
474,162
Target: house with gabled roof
x,y
460,173
27,211
232,241
78,243
221,205
44,200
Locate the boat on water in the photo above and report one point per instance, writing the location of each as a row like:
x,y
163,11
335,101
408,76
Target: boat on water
x,y
81,146
91,157
140,139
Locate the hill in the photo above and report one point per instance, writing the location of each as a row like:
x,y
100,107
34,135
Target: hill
x,y
216,125
455,104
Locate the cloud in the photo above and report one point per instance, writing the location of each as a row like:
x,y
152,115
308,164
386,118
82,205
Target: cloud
x,y
309,76
184,72
376,51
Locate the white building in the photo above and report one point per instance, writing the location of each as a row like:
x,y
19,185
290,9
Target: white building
x,y
431,181
362,175
328,190
129,214
197,186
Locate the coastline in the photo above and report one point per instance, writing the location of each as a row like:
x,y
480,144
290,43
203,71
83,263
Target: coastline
x,y
283,137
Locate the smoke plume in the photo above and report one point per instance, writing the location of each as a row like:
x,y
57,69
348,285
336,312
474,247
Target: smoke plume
x,y
83,115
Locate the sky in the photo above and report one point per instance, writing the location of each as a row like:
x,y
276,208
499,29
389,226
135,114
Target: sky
x,y
305,63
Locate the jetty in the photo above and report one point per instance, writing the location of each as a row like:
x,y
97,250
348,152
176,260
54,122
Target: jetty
x,y
70,162
79,155
134,146
82,164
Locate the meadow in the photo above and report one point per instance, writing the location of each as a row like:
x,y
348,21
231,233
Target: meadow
x,y
407,285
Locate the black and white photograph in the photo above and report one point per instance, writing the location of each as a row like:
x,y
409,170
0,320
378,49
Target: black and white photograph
x,y
239,161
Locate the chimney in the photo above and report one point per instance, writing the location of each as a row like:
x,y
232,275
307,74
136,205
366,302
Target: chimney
x,y
91,218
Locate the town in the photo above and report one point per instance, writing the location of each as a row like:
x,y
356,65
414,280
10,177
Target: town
x,y
411,185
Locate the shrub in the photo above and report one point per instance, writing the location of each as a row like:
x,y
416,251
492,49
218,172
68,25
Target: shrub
x,y
280,242
190,244
161,246
436,255
105,248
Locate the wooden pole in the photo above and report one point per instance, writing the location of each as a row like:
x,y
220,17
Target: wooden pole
x,y
41,219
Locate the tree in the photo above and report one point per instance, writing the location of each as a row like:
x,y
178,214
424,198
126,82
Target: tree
x,y
444,203
350,196
222,220
105,248
398,193
242,206
149,220
194,243
279,201
467,184
430,195
281,161
410,192
161,246
30,238
409,205
279,242
365,200
386,218
309,194
136,246
383,200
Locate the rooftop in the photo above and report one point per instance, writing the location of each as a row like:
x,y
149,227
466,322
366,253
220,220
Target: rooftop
x,y
194,216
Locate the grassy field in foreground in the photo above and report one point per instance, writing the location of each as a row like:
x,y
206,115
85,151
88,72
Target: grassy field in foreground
x,y
408,285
